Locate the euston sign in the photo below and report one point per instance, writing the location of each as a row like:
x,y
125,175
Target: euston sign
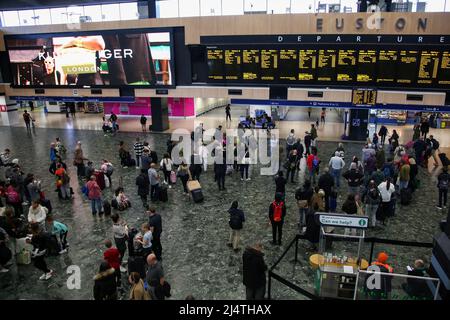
x,y
342,220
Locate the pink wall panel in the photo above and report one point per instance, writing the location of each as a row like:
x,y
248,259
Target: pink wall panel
x,y
178,107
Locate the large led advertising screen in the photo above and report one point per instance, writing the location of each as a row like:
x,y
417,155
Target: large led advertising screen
x,y
105,58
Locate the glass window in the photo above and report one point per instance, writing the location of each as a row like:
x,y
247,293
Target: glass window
x,y
435,6
302,6
110,12
210,7
129,11
189,8
59,15
11,18
26,17
255,6
232,7
42,16
349,5
279,6
74,13
167,9
93,12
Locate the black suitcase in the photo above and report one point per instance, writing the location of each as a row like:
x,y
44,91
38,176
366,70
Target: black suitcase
x,y
106,208
197,195
405,196
443,157
162,193
136,264
114,204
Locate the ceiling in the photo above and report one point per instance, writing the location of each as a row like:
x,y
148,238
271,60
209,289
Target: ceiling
x,y
35,4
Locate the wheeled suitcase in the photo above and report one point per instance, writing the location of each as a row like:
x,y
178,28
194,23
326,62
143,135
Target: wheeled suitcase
x,y
100,178
46,203
197,195
106,208
162,194
193,185
443,157
405,196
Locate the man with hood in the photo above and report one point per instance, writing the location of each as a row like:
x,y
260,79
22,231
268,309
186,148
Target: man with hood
x,y
254,272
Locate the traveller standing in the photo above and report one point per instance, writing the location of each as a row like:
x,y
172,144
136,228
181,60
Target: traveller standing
x,y
95,195
383,132
309,112
27,119
277,212
167,166
155,274
79,160
138,150
386,189
280,183
105,284
354,179
314,136
424,128
303,196
326,183
337,164
443,182
372,201
143,184
228,112
143,122
236,221
434,147
64,182
313,162
254,272
404,175
322,116
113,118
185,175
292,164
290,141
307,141
108,169
155,223
154,178
120,231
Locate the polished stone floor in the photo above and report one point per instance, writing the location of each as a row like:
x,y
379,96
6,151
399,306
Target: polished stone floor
x,y
196,258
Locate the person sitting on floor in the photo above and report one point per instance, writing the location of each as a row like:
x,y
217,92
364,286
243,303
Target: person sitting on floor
x,y
123,202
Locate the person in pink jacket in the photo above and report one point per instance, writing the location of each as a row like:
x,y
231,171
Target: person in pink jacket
x,y
95,195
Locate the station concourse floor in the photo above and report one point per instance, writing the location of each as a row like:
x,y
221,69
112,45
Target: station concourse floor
x,y
196,258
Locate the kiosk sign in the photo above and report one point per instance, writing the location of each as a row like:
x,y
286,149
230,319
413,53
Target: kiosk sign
x,y
346,221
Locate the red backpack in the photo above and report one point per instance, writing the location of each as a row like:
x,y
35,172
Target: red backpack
x,y
277,211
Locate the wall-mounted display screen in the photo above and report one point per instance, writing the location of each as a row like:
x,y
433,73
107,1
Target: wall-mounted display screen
x,y
105,58
329,65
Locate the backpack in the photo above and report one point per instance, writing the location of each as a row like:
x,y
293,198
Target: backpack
x,y
315,162
235,221
435,144
277,211
13,197
443,184
387,172
109,170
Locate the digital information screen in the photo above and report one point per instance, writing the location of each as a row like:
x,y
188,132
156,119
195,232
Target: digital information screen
x,y
366,65
250,64
387,65
215,64
346,66
288,65
444,77
233,61
326,65
307,65
269,64
364,97
407,66
428,67
78,59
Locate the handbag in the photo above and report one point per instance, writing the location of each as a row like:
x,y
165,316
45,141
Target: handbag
x,y
23,257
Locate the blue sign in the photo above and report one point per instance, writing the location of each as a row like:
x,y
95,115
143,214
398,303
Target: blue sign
x,y
349,105
73,99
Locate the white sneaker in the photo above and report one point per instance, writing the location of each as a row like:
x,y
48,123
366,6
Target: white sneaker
x,y
3,270
125,167
137,168
62,251
242,179
170,187
25,203
43,276
49,275
248,179
122,269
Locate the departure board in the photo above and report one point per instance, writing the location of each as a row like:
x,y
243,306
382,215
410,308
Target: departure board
x,y
367,66
364,97
269,64
287,69
250,64
307,65
323,65
233,60
326,65
346,65
428,67
444,76
215,64
387,65
408,62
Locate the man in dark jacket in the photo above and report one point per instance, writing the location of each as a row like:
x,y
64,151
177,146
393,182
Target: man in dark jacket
x,y
354,179
237,218
220,169
443,182
105,286
303,196
383,133
155,221
299,147
417,288
143,184
254,272
326,183
277,212
419,148
424,129
280,183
